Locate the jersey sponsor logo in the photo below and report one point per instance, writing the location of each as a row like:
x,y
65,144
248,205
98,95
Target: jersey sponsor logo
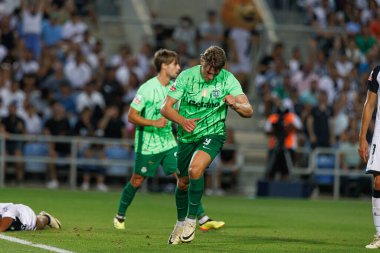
x,y
144,169
216,93
203,104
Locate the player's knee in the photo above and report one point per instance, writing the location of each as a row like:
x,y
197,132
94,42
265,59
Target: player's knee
x,y
376,183
195,172
136,180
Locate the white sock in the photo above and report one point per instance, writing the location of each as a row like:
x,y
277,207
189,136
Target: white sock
x,y
191,220
376,214
203,219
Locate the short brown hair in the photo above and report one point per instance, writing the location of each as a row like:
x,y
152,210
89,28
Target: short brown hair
x,y
214,57
164,56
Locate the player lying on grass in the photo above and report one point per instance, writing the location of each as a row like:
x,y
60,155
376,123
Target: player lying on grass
x,y
17,217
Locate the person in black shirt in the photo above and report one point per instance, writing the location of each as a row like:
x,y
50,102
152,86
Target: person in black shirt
x,y
57,125
13,124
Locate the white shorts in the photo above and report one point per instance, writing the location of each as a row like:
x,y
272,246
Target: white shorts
x,y
373,164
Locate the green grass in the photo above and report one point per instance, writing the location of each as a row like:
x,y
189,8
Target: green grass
x,y
260,225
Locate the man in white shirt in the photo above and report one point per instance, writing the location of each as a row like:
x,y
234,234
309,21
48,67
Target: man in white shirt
x,y
90,98
78,72
19,217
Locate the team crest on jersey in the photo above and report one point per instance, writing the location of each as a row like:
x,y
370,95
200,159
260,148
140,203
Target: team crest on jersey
x,y
144,169
370,76
216,93
137,99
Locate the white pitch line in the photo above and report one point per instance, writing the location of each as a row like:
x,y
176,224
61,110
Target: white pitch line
x,y
41,246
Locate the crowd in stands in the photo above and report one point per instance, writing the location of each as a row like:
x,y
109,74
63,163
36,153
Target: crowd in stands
x,y
55,78
326,86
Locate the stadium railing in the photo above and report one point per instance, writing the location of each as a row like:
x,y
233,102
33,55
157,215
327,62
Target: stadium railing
x,y
322,164
73,160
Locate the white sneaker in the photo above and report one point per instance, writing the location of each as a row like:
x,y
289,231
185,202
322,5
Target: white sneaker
x,y
117,224
85,186
188,230
175,236
52,184
53,222
375,244
102,187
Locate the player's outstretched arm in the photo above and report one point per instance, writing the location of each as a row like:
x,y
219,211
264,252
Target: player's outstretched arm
x,y
135,118
240,104
5,223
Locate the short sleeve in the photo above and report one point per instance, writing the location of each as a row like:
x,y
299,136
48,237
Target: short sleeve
x,y
373,80
139,101
177,90
233,86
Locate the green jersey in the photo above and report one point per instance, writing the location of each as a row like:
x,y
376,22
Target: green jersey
x,y
204,100
148,100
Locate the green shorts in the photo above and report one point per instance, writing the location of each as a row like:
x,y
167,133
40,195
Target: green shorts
x,y
147,165
211,144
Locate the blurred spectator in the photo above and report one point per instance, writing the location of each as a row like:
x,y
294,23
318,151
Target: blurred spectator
x,y
56,79
13,124
353,185
74,28
77,71
364,40
57,125
66,98
33,122
186,32
111,89
240,42
211,32
27,64
111,125
320,123
32,25
85,128
131,89
281,128
90,98
52,30
8,35
12,94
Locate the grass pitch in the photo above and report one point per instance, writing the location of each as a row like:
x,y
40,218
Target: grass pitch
x,y
260,225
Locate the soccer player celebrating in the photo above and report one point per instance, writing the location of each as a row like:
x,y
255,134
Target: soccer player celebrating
x,y
372,158
155,143
18,217
205,92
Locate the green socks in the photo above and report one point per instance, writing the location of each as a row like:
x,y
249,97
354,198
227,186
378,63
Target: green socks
x,y
126,198
181,200
195,195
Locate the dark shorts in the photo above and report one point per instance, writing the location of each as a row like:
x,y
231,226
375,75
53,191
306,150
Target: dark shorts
x,y
147,165
211,144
